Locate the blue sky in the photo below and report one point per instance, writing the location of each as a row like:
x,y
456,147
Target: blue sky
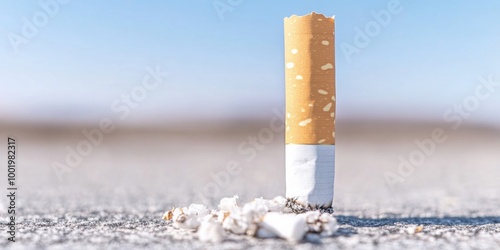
x,y
428,57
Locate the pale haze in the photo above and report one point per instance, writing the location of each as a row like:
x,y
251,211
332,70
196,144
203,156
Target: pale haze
x,y
416,63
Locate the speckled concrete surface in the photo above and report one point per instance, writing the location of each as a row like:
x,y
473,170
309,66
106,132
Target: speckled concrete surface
x,y
83,225
116,197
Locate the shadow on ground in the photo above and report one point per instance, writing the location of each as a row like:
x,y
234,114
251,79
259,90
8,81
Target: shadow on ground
x,y
444,221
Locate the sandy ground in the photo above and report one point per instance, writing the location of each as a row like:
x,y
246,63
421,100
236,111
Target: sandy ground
x,y
115,197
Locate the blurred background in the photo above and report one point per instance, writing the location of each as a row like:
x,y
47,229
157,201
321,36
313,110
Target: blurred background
x,y
404,68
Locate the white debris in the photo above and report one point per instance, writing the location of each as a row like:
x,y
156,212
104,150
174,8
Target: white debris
x,y
186,217
210,230
198,209
329,225
288,226
257,208
229,204
221,215
260,218
312,220
411,229
236,222
323,224
183,219
278,204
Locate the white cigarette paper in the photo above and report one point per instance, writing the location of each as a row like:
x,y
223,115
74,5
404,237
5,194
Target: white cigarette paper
x,y
310,173
310,109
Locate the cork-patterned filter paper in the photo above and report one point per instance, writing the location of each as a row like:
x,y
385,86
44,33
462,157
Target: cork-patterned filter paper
x,y
310,79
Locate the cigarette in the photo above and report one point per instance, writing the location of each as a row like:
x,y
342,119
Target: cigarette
x,y
310,109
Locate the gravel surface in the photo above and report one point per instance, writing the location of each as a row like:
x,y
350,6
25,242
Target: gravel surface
x,y
115,199
79,225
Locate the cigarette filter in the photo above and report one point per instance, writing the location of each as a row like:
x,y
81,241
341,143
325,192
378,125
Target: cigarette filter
x,y
310,108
